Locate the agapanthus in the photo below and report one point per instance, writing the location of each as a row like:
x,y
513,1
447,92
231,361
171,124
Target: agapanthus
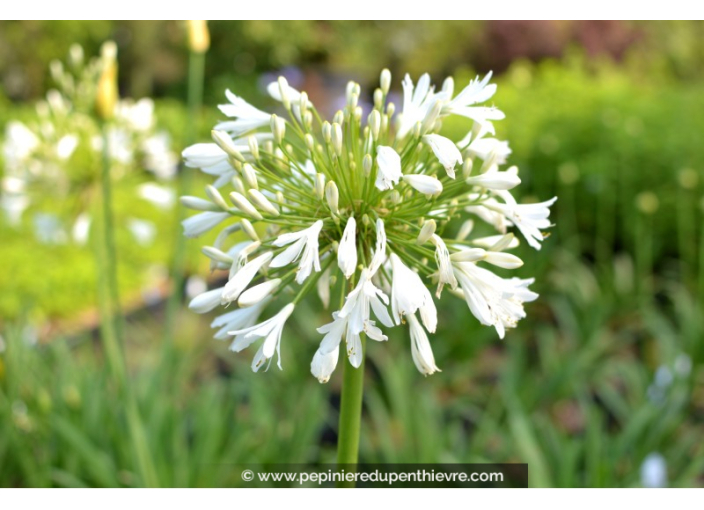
x,y
58,151
363,210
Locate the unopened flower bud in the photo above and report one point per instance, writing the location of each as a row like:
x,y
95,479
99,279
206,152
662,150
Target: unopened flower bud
x,y
199,204
223,140
238,185
278,128
248,229
332,195
310,142
339,117
216,197
378,99
198,35
262,202
244,205
390,109
283,90
217,255
448,86
367,163
426,232
250,176
385,81
374,121
431,117
465,230
337,138
253,147
256,294
107,94
467,168
320,186
327,132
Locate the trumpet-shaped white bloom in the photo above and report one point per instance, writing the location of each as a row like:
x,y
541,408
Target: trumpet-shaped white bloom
x,y
418,101
240,318
493,300
388,168
496,180
474,93
424,183
324,363
242,278
446,151
247,116
420,348
270,330
202,223
529,218
305,241
442,257
409,294
347,251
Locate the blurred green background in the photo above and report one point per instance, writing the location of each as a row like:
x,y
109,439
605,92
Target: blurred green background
x,y
605,372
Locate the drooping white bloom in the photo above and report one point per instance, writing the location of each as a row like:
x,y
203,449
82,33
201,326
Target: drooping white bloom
x,y
324,363
248,117
409,294
426,184
446,151
240,318
347,250
242,278
388,168
420,348
207,301
305,241
442,257
201,223
484,148
529,218
493,300
495,179
270,330
258,293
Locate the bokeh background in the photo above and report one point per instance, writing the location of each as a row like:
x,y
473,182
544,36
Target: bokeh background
x,y
602,385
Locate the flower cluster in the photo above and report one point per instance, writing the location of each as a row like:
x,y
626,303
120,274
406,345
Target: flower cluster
x,y
360,208
58,151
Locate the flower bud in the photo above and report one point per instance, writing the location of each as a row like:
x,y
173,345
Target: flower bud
x,y
283,90
199,204
367,163
327,132
467,168
448,86
339,117
378,99
107,94
256,294
332,195
337,138
374,121
248,229
465,230
385,81
426,232
390,109
320,186
253,147
217,255
278,128
216,197
198,35
249,176
223,140
244,205
262,202
310,142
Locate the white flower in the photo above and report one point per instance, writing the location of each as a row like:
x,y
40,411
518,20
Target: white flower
x,y
417,103
446,151
496,180
653,471
347,250
305,241
476,92
248,117
442,257
420,348
270,330
202,222
529,218
323,364
493,300
160,196
206,301
237,319
242,278
388,168
409,294
424,183
274,90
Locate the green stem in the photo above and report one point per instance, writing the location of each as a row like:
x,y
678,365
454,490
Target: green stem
x,y
196,69
350,415
112,327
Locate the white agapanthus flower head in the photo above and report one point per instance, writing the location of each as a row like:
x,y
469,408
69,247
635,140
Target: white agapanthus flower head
x,y
360,210
59,151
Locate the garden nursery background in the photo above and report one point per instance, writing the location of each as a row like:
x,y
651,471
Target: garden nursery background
x,y
601,385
